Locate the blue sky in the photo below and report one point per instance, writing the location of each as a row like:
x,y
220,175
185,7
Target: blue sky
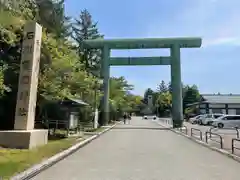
x,y
215,67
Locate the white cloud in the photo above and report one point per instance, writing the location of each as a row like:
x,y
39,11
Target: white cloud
x,y
216,21
233,41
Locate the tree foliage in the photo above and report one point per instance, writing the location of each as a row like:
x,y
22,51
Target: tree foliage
x,y
191,95
162,97
162,87
66,68
85,28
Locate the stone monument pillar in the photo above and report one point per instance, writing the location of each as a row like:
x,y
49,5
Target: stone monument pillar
x,y
150,101
24,135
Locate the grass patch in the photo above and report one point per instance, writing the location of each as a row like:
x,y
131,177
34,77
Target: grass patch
x,y
95,129
13,161
100,129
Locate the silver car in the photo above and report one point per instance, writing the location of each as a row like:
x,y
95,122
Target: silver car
x,y
227,121
208,119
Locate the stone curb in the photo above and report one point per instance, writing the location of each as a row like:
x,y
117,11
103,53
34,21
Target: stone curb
x,y
222,151
36,169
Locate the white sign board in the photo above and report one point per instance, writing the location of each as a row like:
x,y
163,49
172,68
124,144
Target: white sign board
x,y
28,77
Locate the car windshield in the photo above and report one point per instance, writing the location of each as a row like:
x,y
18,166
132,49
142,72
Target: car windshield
x,y
220,118
217,116
197,117
208,116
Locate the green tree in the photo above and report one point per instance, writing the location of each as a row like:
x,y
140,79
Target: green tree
x,y
58,62
58,23
85,28
191,95
121,100
3,87
162,87
163,103
119,92
64,69
169,87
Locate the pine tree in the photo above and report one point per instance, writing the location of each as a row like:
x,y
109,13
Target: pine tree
x,y
191,95
51,15
169,86
85,28
162,87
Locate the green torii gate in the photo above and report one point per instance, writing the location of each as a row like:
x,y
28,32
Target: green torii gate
x,y
147,43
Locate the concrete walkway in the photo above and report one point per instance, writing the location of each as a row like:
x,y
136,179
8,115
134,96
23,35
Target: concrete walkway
x,y
143,154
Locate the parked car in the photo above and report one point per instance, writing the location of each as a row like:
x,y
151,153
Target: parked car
x,y
227,121
195,120
202,118
209,118
188,116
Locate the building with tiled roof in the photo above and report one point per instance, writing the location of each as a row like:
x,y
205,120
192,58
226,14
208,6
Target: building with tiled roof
x,y
220,103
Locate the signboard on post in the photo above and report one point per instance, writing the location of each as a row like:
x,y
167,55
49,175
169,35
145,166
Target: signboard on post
x,y
28,77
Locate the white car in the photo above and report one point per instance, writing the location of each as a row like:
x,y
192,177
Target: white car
x,y
227,121
209,118
195,120
154,117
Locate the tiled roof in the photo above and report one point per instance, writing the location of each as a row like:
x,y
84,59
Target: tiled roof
x,y
222,98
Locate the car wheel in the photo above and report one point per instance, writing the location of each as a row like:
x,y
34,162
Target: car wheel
x,y
209,123
220,125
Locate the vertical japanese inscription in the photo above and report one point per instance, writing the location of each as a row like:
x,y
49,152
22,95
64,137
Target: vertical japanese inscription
x,y
26,65
25,79
27,90
24,96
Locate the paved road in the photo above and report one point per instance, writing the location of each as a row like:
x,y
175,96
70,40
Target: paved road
x,y
143,154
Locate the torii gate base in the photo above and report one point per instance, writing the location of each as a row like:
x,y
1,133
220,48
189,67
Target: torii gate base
x,y
174,60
